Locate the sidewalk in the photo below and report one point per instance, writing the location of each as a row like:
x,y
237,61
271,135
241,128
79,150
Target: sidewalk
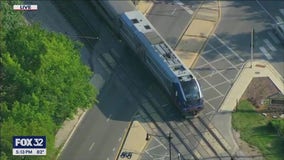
x,y
199,30
222,120
260,68
144,6
135,142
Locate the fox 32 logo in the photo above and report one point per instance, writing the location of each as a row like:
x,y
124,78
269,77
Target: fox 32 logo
x,y
29,145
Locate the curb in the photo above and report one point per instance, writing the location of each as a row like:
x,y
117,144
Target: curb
x,y
194,15
70,135
149,8
236,78
123,140
213,30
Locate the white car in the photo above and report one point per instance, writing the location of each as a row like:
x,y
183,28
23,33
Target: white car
x,y
279,30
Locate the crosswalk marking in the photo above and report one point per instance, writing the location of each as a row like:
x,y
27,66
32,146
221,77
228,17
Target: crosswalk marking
x,y
109,59
264,51
273,37
270,46
235,53
188,10
279,19
178,3
281,11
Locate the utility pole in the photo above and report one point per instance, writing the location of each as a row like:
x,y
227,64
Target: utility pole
x,y
170,149
179,156
169,137
251,46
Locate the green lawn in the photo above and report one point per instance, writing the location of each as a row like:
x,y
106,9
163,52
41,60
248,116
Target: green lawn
x,y
253,129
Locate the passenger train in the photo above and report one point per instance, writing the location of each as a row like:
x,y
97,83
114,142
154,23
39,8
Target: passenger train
x,y
155,53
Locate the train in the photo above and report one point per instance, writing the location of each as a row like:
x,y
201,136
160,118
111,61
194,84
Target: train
x,y
155,53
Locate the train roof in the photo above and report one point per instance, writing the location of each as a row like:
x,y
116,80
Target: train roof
x,y
165,52
118,7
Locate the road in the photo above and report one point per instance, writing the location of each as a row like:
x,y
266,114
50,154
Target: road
x,y
100,132
216,70
237,20
227,50
171,18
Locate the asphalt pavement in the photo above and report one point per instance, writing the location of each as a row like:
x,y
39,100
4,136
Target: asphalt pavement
x,y
101,130
227,51
229,48
100,134
218,66
171,19
238,19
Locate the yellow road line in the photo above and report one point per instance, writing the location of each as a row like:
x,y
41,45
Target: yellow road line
x,y
194,15
212,31
124,138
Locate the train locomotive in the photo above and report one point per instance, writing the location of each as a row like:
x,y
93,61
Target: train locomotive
x,y
178,81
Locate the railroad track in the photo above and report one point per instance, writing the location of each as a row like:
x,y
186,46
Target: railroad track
x,y
188,138
193,139
142,99
86,33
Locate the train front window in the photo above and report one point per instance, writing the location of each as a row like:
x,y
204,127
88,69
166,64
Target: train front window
x,y
190,89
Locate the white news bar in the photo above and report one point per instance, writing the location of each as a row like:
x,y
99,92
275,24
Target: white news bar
x,y
25,7
27,151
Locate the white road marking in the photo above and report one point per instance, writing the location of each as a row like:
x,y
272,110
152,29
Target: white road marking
x,y
178,2
212,73
224,57
264,51
107,158
218,84
281,11
270,46
211,85
119,139
149,154
91,146
279,19
108,57
211,112
265,10
173,12
240,65
211,99
208,51
236,54
273,37
108,118
217,59
188,10
149,149
104,65
113,149
160,142
217,70
210,104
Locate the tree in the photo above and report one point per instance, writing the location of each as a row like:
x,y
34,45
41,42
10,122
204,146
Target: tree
x,y
43,82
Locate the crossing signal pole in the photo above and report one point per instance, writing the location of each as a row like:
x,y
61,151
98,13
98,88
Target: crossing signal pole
x,y
251,46
148,136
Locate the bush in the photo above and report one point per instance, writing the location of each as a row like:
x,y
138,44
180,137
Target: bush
x,y
278,126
